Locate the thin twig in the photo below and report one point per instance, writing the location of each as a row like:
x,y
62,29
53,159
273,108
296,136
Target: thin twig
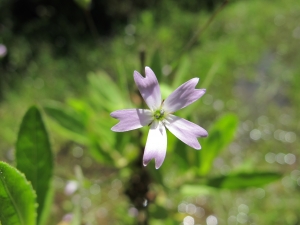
x,y
196,35
91,24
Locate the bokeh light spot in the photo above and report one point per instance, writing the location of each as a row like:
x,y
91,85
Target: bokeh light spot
x,y
243,208
289,158
188,220
280,158
95,189
211,220
77,152
218,105
270,157
255,134
260,193
191,208
242,218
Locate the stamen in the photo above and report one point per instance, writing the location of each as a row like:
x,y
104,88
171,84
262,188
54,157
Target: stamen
x,y
159,114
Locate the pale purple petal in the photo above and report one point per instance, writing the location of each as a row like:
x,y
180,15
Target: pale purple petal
x,y
131,119
149,88
156,145
185,130
183,96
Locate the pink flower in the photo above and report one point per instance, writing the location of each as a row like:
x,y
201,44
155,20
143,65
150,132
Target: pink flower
x,y
159,116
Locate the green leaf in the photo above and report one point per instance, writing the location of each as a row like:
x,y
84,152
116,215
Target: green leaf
x,y
98,153
158,212
155,65
77,217
123,80
66,118
104,93
182,72
211,74
84,4
219,136
195,190
18,206
34,157
243,180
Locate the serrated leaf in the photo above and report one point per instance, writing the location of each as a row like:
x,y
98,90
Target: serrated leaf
x,y
34,157
18,200
243,180
219,136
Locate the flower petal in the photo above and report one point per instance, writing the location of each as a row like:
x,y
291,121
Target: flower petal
x,y
131,119
156,145
183,96
185,130
149,88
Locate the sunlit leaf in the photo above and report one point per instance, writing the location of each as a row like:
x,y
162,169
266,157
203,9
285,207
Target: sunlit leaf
x,y
17,198
84,4
243,180
194,190
123,80
66,118
210,75
158,212
155,65
182,72
219,136
76,219
180,155
157,175
104,93
166,90
34,157
99,153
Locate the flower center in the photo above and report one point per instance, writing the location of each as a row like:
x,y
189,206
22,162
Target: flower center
x,y
159,114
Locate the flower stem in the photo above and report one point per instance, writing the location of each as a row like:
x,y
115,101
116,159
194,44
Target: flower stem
x,y
196,35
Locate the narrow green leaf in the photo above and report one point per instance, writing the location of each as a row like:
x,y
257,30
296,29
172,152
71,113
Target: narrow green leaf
x,y
123,80
84,4
211,74
243,180
77,217
17,198
34,157
182,72
100,154
158,212
43,218
104,92
195,190
66,118
155,65
219,136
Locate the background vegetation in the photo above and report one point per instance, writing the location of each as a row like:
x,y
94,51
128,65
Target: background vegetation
x,y
74,61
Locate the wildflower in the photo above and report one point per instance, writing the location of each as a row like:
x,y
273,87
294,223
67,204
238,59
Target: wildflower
x,y
160,116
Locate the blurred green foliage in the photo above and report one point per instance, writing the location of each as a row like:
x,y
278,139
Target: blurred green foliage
x,y
248,62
